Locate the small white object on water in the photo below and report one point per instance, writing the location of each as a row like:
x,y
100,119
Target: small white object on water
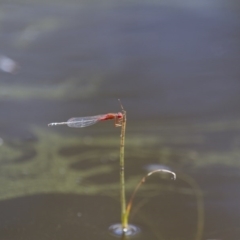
x,y
7,64
156,166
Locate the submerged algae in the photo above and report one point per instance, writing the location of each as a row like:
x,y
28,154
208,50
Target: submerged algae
x,y
89,165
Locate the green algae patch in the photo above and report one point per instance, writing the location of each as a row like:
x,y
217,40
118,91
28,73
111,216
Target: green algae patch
x,y
88,164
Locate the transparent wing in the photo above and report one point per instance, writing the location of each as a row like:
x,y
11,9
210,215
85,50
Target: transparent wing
x,y
80,122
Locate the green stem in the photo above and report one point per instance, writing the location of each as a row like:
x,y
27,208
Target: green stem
x,y
129,206
124,219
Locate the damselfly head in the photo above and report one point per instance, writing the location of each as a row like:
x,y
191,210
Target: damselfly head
x,y
119,115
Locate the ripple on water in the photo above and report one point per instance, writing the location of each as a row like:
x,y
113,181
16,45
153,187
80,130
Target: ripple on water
x,y
117,230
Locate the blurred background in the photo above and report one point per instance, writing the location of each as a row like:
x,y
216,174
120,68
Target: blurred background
x,y
175,67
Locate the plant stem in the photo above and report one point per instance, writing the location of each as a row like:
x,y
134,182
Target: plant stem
x,y
124,219
129,206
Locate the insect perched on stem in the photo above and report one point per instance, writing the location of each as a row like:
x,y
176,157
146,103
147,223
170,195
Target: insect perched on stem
x,y
80,122
119,121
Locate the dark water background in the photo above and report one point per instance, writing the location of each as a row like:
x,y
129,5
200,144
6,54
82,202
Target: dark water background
x,y
175,67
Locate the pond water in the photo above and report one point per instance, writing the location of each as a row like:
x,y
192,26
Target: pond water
x,y
175,68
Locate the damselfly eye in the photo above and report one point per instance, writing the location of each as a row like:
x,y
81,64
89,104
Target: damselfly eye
x,y
120,115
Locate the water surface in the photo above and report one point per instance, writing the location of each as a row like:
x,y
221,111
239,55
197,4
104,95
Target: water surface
x,y
176,70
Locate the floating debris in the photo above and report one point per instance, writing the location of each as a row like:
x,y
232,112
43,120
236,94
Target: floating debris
x,y
7,64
